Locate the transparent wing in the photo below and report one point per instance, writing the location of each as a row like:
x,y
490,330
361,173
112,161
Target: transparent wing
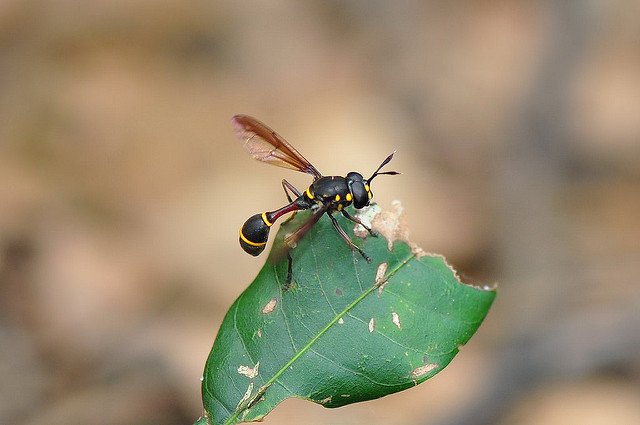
x,y
279,251
266,145
292,239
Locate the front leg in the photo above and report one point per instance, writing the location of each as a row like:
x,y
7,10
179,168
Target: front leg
x,y
288,187
287,284
347,239
358,221
291,188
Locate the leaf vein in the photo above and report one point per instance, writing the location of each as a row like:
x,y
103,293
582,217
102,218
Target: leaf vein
x,y
355,372
235,327
319,280
376,330
282,309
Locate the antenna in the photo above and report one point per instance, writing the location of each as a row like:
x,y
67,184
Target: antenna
x,y
385,162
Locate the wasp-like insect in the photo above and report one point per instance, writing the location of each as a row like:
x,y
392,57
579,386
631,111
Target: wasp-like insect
x,y
327,194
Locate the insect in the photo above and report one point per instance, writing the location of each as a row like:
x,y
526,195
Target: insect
x,y
326,194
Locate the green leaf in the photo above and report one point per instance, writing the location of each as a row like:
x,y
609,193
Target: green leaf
x,y
346,331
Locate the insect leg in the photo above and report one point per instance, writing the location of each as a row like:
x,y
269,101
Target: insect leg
x,y
290,242
287,283
347,239
286,185
291,188
358,221
292,239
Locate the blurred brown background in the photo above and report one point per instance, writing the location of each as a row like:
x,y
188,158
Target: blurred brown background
x,y
122,187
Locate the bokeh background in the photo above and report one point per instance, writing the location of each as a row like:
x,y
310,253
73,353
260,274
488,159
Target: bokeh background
x,y
517,126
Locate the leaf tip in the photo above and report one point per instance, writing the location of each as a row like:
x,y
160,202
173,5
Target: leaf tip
x,y
203,420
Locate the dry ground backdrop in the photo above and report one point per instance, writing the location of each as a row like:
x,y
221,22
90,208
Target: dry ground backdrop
x,y
517,126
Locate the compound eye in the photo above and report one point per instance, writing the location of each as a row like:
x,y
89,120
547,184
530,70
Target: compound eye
x,y
360,195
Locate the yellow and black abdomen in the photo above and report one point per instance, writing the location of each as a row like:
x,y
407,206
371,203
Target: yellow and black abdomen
x,y
254,234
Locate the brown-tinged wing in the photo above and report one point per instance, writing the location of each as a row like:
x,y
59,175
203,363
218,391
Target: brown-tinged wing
x,y
266,145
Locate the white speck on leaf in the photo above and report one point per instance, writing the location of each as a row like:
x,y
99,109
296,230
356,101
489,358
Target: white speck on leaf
x,y
246,395
326,400
270,306
248,371
380,272
372,324
423,370
395,319
341,321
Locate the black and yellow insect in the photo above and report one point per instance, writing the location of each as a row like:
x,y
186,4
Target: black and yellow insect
x,y
327,194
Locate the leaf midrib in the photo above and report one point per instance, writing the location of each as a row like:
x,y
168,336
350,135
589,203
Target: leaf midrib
x,y
247,405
